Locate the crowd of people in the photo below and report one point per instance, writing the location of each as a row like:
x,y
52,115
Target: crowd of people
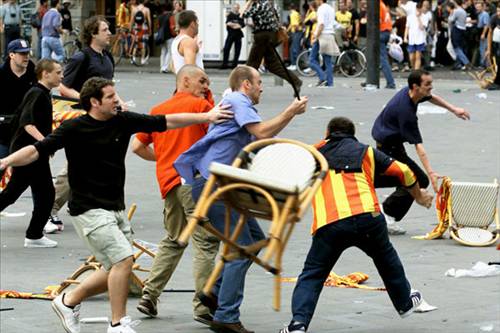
x,y
96,143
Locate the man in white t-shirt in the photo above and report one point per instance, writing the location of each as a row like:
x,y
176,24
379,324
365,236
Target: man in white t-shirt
x,y
416,36
323,40
186,48
409,7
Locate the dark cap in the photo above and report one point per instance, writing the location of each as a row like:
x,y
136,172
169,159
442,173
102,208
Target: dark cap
x,y
18,46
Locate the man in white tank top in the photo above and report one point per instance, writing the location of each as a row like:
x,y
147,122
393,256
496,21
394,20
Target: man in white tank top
x,y
186,50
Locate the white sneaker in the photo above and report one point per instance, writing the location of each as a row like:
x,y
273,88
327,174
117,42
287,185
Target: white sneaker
x,y
50,228
41,242
125,326
144,61
292,68
307,70
395,230
70,318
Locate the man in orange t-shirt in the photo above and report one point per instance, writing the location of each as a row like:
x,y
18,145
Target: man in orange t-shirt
x,y
191,96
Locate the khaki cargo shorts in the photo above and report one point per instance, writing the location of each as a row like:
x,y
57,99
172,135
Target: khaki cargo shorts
x,y
107,234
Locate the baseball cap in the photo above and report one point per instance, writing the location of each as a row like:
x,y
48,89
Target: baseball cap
x,y
18,46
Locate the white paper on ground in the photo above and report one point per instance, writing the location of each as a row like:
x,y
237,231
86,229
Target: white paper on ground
x,y
486,328
94,320
323,107
430,109
425,307
7,214
480,269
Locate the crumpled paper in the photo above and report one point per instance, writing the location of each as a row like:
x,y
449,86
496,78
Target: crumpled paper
x,y
480,269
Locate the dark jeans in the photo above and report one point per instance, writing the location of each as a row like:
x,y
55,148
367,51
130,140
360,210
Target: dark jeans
x,y
230,40
458,42
37,176
262,46
11,32
369,234
231,283
496,54
400,201
384,59
295,47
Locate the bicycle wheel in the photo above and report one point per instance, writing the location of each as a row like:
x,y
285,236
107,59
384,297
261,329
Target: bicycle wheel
x,y
140,55
352,63
117,49
303,64
70,48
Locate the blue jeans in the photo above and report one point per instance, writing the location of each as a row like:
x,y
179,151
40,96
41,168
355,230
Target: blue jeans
x,y
384,60
295,47
458,42
52,44
483,44
327,74
366,232
231,283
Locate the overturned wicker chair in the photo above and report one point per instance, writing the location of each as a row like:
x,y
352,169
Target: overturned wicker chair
x,y
473,208
272,179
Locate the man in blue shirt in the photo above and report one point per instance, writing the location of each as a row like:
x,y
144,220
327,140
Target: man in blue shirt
x,y
51,29
483,23
221,144
397,124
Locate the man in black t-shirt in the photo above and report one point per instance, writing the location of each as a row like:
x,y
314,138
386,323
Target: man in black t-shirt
x,y
92,60
95,145
234,26
34,124
17,76
397,124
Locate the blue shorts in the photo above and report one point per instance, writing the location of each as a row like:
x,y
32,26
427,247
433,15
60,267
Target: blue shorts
x,y
414,48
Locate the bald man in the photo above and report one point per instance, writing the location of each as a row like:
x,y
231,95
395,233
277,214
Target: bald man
x,y
192,87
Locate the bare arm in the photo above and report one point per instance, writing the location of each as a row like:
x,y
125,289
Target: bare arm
x,y
270,128
34,132
422,155
68,92
422,197
143,151
188,49
459,112
23,156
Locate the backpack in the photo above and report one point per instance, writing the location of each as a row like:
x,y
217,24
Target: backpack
x,y
139,18
35,20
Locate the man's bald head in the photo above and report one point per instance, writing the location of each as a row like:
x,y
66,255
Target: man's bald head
x,y
193,80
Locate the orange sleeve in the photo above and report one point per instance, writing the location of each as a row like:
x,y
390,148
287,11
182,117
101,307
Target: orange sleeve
x,y
402,172
320,144
145,138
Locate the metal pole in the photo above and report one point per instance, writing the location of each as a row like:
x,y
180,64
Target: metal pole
x,y
278,81
373,43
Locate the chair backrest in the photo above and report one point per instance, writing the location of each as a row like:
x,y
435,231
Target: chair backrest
x,y
473,204
285,162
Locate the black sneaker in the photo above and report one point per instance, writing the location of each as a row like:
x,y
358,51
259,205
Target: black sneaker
x,y
147,305
294,327
205,319
321,83
210,301
493,86
416,300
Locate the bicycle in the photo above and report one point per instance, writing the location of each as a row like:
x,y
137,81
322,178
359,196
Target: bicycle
x,y
120,45
72,46
139,51
351,62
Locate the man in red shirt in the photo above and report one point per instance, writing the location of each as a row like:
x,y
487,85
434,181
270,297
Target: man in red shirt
x,y
191,96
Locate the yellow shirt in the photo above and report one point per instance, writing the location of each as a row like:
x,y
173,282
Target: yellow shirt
x,y
122,16
295,21
310,28
344,19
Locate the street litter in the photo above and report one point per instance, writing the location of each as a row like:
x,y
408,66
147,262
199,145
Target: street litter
x,y
425,307
480,269
482,96
430,109
323,107
94,320
486,328
7,214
